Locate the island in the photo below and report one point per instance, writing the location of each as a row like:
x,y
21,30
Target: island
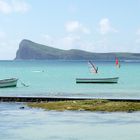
x,y
31,50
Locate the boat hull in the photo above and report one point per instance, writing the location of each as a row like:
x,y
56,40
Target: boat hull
x,y
12,82
98,80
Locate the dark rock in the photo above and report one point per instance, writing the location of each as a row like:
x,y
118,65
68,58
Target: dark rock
x,y
22,107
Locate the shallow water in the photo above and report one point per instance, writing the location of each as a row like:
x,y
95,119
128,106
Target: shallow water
x,y
57,78
37,124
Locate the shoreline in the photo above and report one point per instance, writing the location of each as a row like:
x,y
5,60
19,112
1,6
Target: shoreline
x,y
75,103
60,98
89,105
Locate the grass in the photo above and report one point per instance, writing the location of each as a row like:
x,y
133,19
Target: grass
x,y
89,105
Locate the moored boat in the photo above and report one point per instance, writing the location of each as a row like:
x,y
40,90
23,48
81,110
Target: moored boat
x,y
11,82
97,80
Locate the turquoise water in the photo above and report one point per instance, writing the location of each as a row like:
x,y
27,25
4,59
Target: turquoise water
x,y
57,78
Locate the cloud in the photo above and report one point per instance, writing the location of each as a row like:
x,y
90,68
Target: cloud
x,y
5,7
74,38
13,6
69,42
76,27
105,27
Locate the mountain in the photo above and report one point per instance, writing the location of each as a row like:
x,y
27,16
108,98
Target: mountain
x,y
31,50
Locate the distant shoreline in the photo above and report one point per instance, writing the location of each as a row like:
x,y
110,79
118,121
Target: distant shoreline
x,y
31,50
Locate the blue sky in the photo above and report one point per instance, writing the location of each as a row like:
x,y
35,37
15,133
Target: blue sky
x,y
91,25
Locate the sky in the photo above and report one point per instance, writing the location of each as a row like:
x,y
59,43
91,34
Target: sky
x,y
90,25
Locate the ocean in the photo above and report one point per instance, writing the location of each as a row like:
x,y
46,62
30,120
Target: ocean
x,y
58,78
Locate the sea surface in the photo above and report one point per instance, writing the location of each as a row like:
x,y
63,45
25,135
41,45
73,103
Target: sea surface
x,y
58,78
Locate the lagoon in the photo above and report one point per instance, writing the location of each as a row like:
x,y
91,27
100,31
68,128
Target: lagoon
x,y
57,78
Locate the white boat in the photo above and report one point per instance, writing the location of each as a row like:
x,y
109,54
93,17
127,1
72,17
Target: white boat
x,y
11,82
97,80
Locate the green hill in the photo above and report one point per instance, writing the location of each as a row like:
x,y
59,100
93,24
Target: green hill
x,y
31,50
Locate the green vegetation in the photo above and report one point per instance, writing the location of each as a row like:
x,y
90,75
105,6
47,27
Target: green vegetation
x,y
31,50
89,105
